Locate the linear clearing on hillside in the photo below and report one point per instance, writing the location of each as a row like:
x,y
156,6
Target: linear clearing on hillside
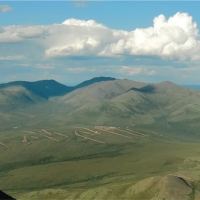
x,y
35,137
87,133
4,145
46,132
51,138
137,132
129,132
61,134
88,138
95,132
114,133
29,132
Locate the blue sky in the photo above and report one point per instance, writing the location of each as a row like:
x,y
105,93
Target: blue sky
x,y
144,41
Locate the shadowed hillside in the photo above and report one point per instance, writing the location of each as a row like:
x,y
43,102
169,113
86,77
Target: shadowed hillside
x,y
44,88
16,97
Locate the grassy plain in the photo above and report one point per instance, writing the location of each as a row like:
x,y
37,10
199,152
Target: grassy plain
x,y
73,167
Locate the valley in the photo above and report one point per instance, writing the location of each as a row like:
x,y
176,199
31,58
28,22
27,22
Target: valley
x,y
109,139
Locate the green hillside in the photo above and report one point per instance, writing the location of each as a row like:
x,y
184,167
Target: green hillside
x,y
16,97
131,102
112,139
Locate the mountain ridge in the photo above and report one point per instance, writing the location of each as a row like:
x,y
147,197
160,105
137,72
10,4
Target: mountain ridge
x,y
105,100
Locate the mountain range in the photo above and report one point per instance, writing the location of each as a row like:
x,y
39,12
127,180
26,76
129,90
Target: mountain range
x,y
102,100
104,138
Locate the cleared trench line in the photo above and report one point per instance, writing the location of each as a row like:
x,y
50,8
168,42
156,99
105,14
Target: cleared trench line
x,y
114,133
4,145
88,138
95,132
87,133
137,132
34,137
29,132
51,138
129,132
46,132
61,134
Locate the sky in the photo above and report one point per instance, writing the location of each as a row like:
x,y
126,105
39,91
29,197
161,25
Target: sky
x,y
73,41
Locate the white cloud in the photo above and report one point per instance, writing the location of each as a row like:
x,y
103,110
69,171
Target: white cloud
x,y
76,69
150,73
89,23
81,69
45,66
175,38
135,70
130,70
11,57
20,33
5,8
80,47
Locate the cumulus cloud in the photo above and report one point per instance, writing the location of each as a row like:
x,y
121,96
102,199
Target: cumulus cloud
x,y
5,8
19,33
175,38
82,23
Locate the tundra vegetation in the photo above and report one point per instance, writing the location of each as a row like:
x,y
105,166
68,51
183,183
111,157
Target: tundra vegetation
x,y
102,139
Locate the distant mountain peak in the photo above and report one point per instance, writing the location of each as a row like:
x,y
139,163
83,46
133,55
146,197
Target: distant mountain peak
x,y
43,88
94,80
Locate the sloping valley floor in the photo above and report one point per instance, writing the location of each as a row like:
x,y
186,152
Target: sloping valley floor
x,y
98,162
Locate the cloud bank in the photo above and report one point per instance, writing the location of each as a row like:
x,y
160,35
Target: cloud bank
x,y
170,48
175,38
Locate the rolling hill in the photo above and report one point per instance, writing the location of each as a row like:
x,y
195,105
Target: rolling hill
x,y
103,100
16,97
105,138
44,88
129,102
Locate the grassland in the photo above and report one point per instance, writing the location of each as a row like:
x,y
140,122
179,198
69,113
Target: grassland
x,y
111,140
91,162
